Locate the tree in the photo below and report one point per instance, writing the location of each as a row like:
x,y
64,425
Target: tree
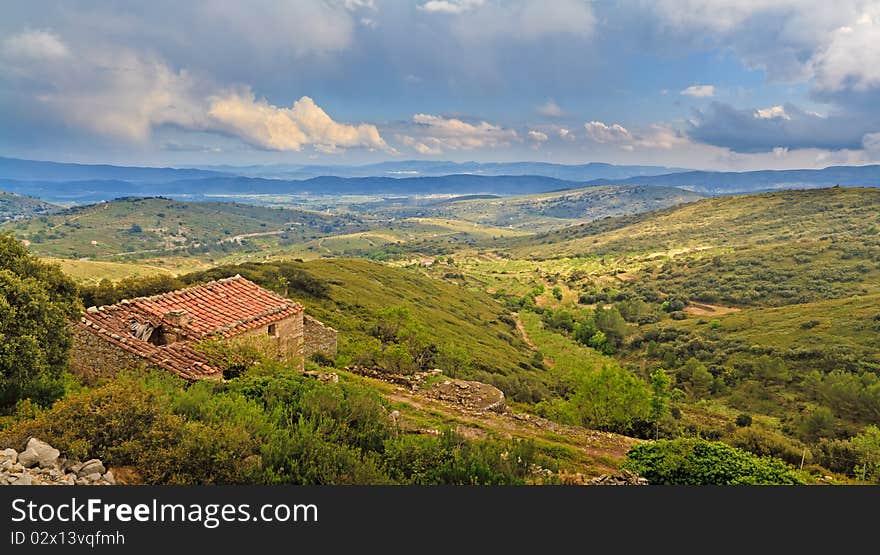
x,y
611,399
612,324
660,382
867,445
37,302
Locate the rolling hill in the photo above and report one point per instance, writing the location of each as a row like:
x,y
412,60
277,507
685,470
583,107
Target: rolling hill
x,y
14,206
140,225
725,183
718,222
547,211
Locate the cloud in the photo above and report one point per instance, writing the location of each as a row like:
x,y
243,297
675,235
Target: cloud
x,y
436,134
538,136
762,130
699,91
830,44
529,20
550,109
655,136
113,93
772,113
871,143
35,45
602,133
269,127
123,95
451,6
565,133
850,59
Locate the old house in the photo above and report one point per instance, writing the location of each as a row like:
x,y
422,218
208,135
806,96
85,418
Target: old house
x,y
166,330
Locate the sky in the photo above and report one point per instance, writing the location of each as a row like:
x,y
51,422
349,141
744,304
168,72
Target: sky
x,y
705,84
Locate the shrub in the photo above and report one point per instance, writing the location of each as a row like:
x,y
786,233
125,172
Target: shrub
x,y
744,420
701,462
36,302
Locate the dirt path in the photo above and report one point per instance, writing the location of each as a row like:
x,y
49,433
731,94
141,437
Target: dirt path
x,y
702,309
603,448
522,331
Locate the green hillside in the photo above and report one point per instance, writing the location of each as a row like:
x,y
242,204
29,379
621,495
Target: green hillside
x,y
776,217
554,210
14,206
538,212
137,226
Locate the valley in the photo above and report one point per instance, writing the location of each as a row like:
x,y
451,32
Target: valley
x,y
750,320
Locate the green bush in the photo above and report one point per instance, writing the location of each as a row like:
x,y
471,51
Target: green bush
x,y
701,462
36,303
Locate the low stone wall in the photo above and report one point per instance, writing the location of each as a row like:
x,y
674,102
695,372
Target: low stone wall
x,y
318,338
92,357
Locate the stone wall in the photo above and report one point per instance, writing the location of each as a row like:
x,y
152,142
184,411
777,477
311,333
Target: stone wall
x,y
319,338
287,341
92,357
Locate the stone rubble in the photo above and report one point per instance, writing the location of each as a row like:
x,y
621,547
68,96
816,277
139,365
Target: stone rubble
x,y
40,464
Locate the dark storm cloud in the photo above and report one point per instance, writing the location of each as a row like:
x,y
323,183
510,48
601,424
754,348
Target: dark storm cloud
x,y
785,126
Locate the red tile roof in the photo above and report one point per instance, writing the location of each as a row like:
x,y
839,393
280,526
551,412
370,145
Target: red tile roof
x,y
221,308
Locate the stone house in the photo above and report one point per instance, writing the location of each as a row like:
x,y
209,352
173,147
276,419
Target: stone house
x,y
164,330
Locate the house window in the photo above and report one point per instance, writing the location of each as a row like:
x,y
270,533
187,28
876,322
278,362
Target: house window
x,y
273,330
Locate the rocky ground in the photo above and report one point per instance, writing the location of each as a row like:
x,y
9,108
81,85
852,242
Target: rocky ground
x,y
40,464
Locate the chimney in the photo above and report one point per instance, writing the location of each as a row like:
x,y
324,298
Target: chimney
x,y
179,317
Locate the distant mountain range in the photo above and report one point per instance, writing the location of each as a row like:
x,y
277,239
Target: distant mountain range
x,y
82,183
421,168
212,188
36,170
719,183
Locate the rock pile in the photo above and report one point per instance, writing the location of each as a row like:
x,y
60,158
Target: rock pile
x,y
623,478
473,396
413,382
42,464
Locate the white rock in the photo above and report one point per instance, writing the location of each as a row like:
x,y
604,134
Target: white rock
x,y
91,466
23,480
9,455
38,453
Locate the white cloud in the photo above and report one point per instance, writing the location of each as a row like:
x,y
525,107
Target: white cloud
x,y
656,136
550,109
451,6
851,58
120,94
871,143
437,134
602,133
35,45
565,133
831,44
774,112
538,136
273,128
699,91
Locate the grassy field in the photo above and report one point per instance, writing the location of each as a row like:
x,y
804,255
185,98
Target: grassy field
x,y
93,271
777,217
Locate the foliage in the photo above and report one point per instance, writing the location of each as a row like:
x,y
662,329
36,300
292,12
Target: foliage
x,y
701,462
36,302
274,427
